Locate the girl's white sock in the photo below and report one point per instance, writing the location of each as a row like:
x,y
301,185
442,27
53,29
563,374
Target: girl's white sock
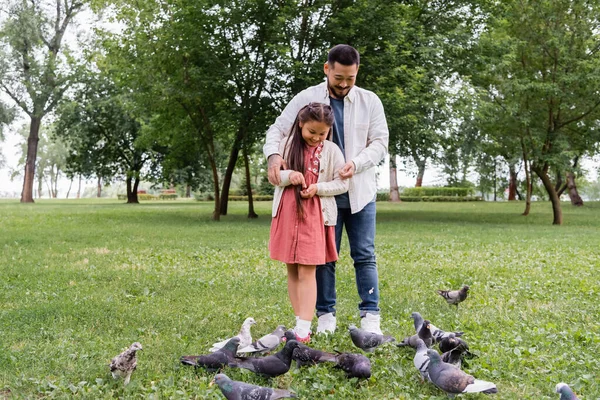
x,y
302,328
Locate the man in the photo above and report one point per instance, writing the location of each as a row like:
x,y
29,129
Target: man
x,y
361,132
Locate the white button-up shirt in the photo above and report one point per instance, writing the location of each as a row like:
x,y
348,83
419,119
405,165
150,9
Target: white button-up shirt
x,y
366,136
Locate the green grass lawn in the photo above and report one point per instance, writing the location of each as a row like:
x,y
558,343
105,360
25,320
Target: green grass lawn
x,y
81,280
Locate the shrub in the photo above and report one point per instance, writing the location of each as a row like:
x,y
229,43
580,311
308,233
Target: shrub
x,y
438,191
121,197
455,199
383,196
168,196
147,197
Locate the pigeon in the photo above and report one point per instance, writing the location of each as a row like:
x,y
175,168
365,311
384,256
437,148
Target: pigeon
x,y
437,333
367,341
125,363
265,343
455,356
424,334
421,359
565,392
355,365
304,355
451,342
216,360
452,380
235,390
244,335
270,366
454,296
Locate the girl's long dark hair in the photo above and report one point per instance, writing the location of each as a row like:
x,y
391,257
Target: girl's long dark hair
x,y
294,149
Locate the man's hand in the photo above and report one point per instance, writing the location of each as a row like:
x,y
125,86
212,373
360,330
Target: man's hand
x,y
275,163
347,171
309,192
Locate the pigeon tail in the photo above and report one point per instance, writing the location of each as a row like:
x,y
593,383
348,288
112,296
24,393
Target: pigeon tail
x,y
282,394
479,386
189,360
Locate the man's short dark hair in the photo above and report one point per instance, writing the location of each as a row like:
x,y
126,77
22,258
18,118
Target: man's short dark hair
x,y
343,54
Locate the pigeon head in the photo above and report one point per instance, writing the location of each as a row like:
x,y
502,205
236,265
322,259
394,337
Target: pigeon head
x,y
362,370
415,315
289,335
427,324
466,288
224,383
434,357
249,321
565,391
352,327
136,346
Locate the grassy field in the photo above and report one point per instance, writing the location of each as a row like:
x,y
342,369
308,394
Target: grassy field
x,y
81,280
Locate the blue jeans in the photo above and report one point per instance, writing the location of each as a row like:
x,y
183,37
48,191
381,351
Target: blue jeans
x,y
360,228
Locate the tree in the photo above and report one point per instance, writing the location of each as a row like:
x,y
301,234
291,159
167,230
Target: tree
x,y
102,134
35,73
539,63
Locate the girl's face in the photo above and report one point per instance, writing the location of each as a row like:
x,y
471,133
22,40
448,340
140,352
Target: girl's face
x,y
314,132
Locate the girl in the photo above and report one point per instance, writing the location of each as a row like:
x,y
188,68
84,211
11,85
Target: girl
x,y
304,209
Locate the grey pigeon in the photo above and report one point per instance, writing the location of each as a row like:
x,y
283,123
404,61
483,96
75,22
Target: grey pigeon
x,y
125,363
214,361
270,366
437,333
451,342
304,355
355,365
421,360
244,335
452,380
367,341
424,334
454,296
565,392
266,343
235,390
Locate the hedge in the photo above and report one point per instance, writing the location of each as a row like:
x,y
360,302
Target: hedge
x,y
410,199
438,191
141,196
168,196
263,197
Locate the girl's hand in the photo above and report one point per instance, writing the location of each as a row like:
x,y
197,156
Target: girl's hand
x,y
297,178
309,192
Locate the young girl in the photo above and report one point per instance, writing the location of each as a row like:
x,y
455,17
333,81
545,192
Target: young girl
x,y
304,209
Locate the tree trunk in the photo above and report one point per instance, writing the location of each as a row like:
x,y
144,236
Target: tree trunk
x,y
251,213
529,187
79,188
40,190
69,191
421,171
576,200
550,189
188,191
233,156
217,211
495,182
132,195
99,188
32,146
394,194
512,184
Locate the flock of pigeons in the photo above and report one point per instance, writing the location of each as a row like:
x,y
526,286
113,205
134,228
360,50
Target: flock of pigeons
x,y
442,370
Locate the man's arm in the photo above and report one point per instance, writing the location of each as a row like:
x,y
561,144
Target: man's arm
x,y
377,140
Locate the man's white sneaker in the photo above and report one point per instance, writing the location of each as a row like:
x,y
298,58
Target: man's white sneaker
x,y
371,323
327,323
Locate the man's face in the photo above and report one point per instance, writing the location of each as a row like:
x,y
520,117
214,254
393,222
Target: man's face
x,y
340,78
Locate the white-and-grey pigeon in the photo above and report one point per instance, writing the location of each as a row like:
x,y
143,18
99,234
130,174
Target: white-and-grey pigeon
x,y
367,341
244,335
217,360
123,365
421,360
266,343
565,392
437,333
452,380
454,296
269,366
235,390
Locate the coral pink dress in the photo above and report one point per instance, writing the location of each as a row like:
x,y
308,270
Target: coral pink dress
x,y
302,241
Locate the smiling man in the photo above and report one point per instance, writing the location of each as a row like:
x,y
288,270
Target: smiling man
x,y
361,132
